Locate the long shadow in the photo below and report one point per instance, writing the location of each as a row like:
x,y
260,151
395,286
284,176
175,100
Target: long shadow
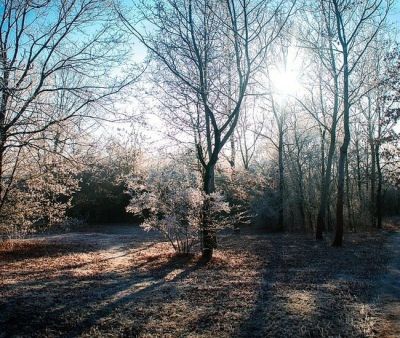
x,y
53,245
277,312
33,250
143,293
100,298
85,264
292,269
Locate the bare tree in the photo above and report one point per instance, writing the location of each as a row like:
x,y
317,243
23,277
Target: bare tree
x,y
248,132
387,141
278,106
190,39
357,24
323,100
57,60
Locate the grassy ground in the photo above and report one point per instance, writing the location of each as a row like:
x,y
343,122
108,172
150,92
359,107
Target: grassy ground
x,y
264,285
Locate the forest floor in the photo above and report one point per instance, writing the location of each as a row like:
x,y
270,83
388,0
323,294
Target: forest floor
x,y
121,281
389,291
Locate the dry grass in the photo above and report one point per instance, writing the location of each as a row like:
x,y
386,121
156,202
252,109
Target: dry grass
x,y
276,285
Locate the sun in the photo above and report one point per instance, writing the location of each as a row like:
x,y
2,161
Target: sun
x,y
285,74
285,82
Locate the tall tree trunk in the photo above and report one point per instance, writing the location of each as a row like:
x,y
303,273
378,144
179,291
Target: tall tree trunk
x,y
350,211
326,180
320,223
209,239
4,82
338,240
2,198
321,220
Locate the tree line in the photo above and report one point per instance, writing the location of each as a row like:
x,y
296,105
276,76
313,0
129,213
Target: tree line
x,y
281,113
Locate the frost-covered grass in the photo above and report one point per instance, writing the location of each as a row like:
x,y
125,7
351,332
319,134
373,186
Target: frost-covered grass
x,y
257,285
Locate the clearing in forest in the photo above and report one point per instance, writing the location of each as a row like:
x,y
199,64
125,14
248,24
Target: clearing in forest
x,y
128,283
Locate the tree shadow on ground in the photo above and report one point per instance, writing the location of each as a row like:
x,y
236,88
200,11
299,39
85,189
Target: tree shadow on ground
x,y
273,285
73,305
69,243
313,290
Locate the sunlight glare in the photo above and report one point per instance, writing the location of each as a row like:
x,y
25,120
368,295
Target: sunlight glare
x,y
285,82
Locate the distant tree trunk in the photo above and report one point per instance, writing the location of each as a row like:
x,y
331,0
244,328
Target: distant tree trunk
x,y
301,203
373,179
281,178
279,119
350,211
379,174
372,200
359,186
323,135
300,175
367,171
379,189
232,160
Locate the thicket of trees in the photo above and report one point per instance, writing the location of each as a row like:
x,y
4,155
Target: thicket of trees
x,y
280,114
60,64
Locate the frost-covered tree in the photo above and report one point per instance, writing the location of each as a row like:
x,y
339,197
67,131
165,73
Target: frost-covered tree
x,y
172,202
57,67
207,52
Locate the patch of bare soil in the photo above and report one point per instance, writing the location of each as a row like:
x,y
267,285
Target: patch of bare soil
x,y
272,285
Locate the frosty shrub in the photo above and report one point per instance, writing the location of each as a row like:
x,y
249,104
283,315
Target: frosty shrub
x,y
39,197
245,192
172,203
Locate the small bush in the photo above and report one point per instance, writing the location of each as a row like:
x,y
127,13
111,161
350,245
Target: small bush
x,y
173,204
